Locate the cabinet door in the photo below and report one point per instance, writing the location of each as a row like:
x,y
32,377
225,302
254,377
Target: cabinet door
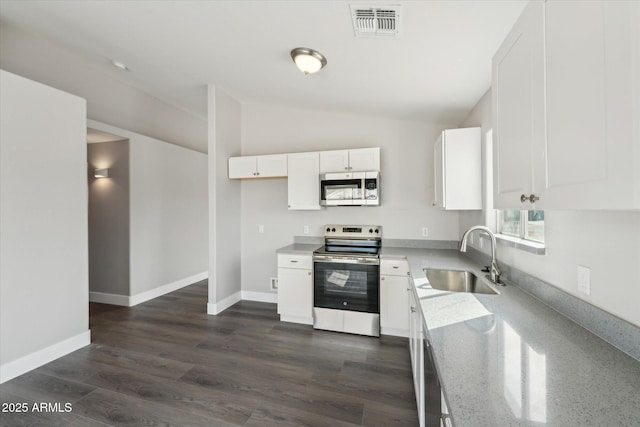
x,y
304,182
295,293
242,167
272,165
438,173
393,305
334,161
589,104
364,159
462,169
417,354
518,108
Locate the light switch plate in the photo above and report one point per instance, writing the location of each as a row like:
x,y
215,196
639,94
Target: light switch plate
x,y
584,279
261,228
425,232
305,229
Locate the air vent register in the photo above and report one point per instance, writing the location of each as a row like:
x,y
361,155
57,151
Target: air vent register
x,y
379,21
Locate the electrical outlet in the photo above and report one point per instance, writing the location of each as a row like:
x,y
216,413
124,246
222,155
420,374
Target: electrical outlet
x,y
584,279
273,283
261,228
305,229
425,232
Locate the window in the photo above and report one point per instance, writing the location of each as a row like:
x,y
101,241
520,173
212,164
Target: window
x,y
527,225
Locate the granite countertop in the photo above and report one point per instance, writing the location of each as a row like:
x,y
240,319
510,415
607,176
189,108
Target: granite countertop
x,y
510,360
299,249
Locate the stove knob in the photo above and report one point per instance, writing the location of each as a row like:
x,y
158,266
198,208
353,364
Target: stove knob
x,y
333,230
328,229
377,231
371,230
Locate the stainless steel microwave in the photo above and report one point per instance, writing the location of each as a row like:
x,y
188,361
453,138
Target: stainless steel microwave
x,y
350,189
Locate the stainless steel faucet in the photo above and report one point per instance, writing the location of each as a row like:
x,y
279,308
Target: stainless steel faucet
x,y
494,271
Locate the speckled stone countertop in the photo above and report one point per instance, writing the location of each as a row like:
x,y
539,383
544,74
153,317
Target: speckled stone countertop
x,y
299,249
510,360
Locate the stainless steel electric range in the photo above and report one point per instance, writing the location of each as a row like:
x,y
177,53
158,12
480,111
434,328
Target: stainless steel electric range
x,y
346,288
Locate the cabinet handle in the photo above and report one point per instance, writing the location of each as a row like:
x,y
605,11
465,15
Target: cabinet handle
x,y
308,273
413,309
382,278
532,198
293,260
395,266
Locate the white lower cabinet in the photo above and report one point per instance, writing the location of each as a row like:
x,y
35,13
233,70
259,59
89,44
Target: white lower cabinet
x,y
394,282
416,349
295,288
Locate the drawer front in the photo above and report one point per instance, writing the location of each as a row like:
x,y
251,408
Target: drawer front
x,y
398,267
295,261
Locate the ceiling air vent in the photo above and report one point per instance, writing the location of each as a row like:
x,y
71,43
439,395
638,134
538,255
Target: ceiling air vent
x,y
379,21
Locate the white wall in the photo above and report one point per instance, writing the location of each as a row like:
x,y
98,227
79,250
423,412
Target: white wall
x,y
224,202
406,181
109,99
44,303
606,242
168,214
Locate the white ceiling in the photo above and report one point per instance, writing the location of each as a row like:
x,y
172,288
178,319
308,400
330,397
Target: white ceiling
x,y
96,136
436,70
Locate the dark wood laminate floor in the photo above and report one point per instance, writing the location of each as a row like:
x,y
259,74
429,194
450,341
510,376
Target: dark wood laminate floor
x,y
167,363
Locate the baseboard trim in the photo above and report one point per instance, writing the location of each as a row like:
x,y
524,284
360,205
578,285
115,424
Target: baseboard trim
x,y
220,306
394,332
113,299
130,301
41,357
260,296
297,319
165,289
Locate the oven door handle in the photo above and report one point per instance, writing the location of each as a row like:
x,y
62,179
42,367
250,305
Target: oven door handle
x,y
345,260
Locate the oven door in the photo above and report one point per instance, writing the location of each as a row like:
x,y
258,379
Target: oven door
x,y
346,283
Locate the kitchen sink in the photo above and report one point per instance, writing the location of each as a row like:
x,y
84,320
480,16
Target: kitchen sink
x,y
457,281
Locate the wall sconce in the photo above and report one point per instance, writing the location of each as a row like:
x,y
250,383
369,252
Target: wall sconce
x,y
101,173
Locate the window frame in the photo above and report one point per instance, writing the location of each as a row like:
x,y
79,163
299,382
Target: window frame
x,y
523,231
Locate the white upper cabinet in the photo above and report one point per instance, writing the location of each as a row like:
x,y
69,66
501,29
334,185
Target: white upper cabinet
x,y
269,166
592,94
458,169
567,107
518,108
334,161
361,159
364,159
304,183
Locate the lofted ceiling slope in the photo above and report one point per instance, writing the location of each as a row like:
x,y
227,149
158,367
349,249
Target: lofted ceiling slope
x,y
435,70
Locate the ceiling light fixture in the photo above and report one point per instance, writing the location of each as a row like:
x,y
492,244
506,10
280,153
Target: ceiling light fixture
x,y
120,65
308,60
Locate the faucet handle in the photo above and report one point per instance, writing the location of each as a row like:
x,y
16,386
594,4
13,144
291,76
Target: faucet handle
x,y
486,269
